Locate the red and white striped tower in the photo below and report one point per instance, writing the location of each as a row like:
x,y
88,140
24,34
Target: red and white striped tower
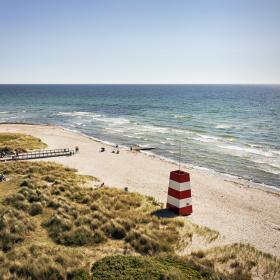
x,y
179,193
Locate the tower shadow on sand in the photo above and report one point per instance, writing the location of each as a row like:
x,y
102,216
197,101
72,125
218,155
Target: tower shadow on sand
x,y
164,213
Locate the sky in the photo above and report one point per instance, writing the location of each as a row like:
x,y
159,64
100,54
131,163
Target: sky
x,y
143,41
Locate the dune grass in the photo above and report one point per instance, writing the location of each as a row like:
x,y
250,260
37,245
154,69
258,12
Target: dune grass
x,y
12,142
51,218
239,261
53,226
83,216
63,213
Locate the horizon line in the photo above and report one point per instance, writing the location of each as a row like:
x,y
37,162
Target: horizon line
x,y
265,84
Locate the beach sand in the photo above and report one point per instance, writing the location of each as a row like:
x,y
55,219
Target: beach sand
x,y
240,210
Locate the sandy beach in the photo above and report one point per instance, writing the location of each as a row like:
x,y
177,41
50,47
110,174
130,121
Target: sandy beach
x,y
240,210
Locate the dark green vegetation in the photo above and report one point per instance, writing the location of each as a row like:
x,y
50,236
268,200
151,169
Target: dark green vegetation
x,y
152,268
11,142
54,225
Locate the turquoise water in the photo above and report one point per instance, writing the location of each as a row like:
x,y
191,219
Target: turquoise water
x,y
230,129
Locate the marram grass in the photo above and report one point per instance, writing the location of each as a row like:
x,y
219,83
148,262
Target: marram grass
x,y
53,225
11,142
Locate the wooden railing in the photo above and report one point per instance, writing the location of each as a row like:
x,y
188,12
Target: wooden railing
x,y
39,154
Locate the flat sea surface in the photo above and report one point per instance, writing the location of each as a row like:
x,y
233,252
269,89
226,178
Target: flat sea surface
x,y
233,129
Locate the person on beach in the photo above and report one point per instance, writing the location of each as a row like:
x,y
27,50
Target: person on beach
x,y
77,149
2,177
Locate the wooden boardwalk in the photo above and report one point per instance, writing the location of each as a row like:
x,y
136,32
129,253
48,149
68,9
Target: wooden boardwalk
x,y
39,154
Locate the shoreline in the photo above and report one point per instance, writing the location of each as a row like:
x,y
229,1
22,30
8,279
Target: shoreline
x,y
240,210
232,177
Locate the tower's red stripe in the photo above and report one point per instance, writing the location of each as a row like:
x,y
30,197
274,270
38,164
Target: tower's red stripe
x,y
181,211
179,194
179,176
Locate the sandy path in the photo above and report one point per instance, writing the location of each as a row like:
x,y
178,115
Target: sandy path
x,y
238,209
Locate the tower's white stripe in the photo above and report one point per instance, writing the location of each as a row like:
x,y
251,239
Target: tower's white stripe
x,y
179,203
179,186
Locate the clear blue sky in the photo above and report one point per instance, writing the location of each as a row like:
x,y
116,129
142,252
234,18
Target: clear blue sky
x,y
143,41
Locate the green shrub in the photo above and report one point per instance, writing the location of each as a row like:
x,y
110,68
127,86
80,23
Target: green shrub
x,y
26,183
49,179
40,270
8,240
144,244
94,224
14,225
80,274
81,236
18,201
36,209
114,230
143,268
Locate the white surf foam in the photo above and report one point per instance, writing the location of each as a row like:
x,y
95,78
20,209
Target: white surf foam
x,y
206,138
184,165
245,150
96,117
222,126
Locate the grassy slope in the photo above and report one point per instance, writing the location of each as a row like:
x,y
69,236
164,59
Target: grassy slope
x,y
52,227
60,225
10,142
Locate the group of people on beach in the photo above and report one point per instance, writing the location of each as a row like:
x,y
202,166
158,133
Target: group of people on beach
x,y
2,177
114,151
2,154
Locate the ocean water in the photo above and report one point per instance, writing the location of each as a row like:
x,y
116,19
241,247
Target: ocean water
x,y
233,129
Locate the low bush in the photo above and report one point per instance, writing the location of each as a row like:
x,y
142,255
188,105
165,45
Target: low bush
x,y
79,274
14,226
114,230
142,268
36,209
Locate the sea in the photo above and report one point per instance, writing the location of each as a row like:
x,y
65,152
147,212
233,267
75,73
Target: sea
x,y
230,129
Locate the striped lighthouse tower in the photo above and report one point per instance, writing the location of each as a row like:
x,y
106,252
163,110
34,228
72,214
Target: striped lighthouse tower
x,y
179,193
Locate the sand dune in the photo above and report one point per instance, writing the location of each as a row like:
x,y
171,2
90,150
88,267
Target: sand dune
x,y
240,210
